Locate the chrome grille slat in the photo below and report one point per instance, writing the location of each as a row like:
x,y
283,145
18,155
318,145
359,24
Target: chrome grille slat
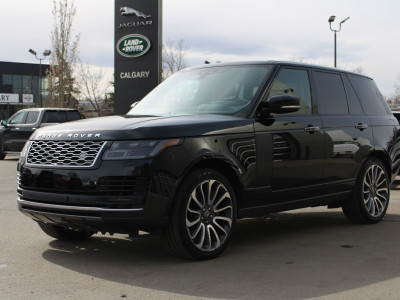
x,y
75,154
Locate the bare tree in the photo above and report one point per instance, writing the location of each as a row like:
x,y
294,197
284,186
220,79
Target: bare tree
x,y
358,69
93,88
300,59
394,100
64,55
397,86
173,57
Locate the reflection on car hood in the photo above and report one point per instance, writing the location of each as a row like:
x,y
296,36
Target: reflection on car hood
x,y
131,127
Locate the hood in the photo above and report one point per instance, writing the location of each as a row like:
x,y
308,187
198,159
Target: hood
x,y
130,127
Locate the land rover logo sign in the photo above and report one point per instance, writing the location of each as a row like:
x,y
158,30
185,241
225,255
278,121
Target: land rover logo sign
x,y
133,45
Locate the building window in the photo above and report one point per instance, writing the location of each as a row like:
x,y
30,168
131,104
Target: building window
x,y
17,84
7,79
35,80
27,84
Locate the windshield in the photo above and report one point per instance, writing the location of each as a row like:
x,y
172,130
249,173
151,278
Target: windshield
x,y
225,90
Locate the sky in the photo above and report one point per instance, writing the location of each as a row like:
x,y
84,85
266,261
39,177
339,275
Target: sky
x,y
228,30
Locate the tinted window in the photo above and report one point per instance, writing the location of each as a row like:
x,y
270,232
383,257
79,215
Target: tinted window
x,y
331,94
32,117
381,98
369,95
18,118
294,82
54,117
353,102
73,115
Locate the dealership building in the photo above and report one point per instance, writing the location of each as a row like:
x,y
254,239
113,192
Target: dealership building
x,y
19,87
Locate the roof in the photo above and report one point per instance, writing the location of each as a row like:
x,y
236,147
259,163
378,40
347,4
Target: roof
x,y
49,108
276,62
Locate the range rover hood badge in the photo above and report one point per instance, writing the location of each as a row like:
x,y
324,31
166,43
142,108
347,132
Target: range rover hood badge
x,y
68,136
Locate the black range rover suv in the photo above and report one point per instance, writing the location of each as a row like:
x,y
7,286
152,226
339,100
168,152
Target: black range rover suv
x,y
213,144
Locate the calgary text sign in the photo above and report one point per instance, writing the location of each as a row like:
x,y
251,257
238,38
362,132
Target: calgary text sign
x,y
9,98
137,54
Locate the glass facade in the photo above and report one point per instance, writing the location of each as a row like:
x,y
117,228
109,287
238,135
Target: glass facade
x,y
23,84
20,82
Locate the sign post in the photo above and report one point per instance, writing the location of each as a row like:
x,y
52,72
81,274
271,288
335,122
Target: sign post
x,y
137,51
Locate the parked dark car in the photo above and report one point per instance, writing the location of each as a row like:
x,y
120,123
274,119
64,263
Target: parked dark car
x,y
211,145
18,128
397,115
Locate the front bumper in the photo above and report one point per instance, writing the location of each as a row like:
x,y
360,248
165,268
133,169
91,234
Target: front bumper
x,y
118,197
91,218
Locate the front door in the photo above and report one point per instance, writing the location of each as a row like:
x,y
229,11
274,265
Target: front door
x,y
293,143
19,129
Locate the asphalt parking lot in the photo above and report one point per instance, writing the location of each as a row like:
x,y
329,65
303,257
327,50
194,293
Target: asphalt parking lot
x,y
302,254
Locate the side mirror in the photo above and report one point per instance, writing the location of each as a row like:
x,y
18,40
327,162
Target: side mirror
x,y
281,104
3,123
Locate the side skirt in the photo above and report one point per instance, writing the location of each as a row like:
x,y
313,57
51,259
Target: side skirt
x,y
332,201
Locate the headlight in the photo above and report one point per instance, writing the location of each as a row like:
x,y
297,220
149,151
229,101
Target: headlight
x,y
24,153
137,149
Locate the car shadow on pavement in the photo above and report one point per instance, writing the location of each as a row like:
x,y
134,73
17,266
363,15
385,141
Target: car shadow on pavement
x,y
285,255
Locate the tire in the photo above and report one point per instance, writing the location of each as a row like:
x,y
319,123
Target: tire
x,y
61,233
203,216
371,195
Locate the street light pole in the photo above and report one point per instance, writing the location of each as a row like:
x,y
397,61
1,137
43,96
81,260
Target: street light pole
x,y
335,51
45,54
331,19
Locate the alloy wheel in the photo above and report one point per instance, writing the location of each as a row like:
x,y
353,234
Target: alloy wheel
x,y
375,190
209,215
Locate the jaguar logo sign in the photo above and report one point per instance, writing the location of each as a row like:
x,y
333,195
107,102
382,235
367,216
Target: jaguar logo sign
x,y
137,18
126,11
133,45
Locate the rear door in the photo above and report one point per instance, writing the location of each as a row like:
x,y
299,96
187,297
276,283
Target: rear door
x,y
384,125
348,131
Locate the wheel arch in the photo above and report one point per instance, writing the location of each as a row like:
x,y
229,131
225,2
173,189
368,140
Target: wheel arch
x,y
224,167
384,158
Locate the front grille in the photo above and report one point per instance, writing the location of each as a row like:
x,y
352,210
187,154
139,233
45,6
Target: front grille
x,y
64,153
112,192
107,186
